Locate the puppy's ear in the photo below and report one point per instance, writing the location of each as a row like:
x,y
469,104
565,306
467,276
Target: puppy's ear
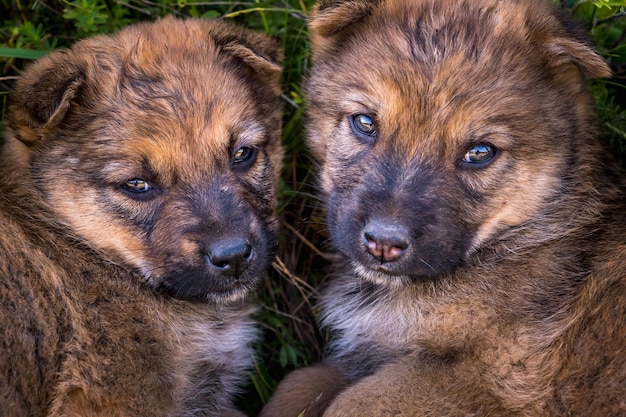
x,y
567,51
44,94
570,44
255,50
331,16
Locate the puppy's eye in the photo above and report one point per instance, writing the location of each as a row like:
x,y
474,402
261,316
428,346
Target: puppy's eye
x,y
363,127
244,157
137,185
479,155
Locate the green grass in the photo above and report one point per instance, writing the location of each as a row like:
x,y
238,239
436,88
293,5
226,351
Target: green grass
x,y
30,29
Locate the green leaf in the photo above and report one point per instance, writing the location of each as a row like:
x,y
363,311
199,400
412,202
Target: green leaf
x,y
21,53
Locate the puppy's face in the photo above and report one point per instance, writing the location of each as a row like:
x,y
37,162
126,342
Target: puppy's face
x,y
440,125
166,155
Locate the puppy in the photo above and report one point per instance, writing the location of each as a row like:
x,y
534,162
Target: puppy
x,y
137,197
480,221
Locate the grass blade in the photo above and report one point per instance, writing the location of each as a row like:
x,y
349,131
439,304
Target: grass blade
x,y
21,53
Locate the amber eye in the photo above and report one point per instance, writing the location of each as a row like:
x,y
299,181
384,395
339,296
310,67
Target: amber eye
x,y
137,185
244,157
479,155
363,127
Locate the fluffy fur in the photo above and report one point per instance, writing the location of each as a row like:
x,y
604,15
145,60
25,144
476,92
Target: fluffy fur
x,y
479,219
137,197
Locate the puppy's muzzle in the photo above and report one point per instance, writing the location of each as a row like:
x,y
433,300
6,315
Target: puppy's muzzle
x,y
385,241
229,256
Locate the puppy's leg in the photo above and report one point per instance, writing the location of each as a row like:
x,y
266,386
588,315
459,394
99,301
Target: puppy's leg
x,y
232,413
413,389
307,391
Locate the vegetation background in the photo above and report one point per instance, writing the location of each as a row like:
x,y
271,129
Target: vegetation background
x,y
29,30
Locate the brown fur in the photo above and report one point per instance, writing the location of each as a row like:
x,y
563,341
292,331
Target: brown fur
x,y
122,301
470,286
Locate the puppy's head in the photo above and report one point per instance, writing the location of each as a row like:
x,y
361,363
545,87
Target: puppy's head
x,y
442,124
160,147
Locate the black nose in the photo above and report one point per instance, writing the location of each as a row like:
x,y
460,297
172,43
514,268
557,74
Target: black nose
x,y
230,256
385,241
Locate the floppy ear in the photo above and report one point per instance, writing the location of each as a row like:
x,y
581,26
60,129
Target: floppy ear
x,y
331,16
566,51
571,45
257,51
43,95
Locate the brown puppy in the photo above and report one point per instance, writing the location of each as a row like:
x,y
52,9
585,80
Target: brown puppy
x,y
137,196
482,225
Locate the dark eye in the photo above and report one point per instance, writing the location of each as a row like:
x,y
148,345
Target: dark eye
x,y
364,127
479,155
244,157
137,185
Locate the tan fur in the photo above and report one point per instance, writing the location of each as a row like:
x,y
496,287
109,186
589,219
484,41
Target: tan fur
x,y
118,302
493,288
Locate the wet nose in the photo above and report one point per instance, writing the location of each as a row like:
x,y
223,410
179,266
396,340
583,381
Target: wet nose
x,y
230,256
385,241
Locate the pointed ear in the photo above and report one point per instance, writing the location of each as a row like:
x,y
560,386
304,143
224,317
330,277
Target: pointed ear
x,y
331,16
257,51
44,94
